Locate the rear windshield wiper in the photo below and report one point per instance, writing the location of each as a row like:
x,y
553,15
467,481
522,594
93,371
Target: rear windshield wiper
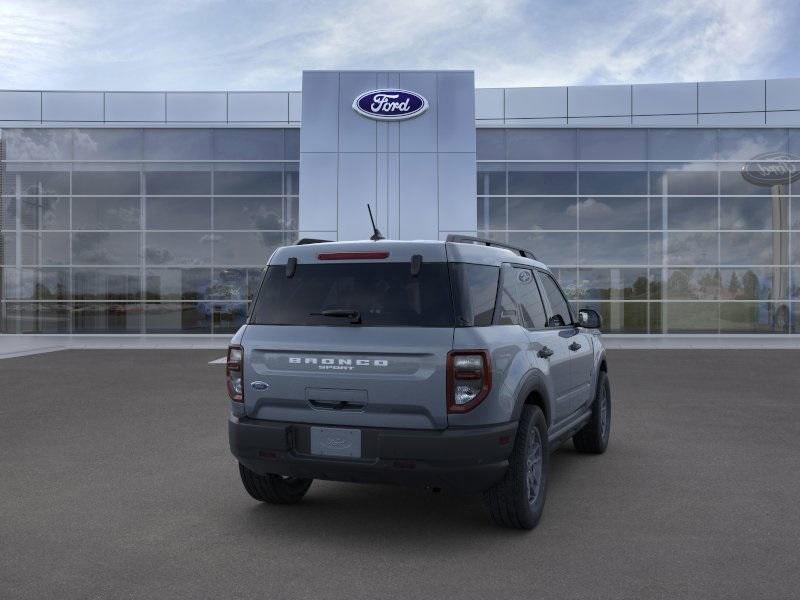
x,y
343,313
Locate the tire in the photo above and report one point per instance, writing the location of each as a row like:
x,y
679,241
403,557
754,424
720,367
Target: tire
x,y
517,501
593,438
274,489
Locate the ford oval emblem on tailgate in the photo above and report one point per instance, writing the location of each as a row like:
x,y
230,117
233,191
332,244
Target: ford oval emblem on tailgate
x,y
259,385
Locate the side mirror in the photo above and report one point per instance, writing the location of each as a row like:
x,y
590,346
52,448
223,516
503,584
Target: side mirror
x,y
589,318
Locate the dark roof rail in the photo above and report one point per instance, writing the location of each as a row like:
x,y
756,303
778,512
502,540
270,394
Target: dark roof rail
x,y
467,239
304,241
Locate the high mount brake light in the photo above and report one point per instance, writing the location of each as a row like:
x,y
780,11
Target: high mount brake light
x,y
233,373
469,379
352,255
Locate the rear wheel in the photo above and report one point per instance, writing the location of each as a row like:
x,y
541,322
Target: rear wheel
x,y
274,489
593,438
518,499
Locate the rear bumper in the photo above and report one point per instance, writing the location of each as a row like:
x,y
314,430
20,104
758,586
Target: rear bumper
x,y
459,459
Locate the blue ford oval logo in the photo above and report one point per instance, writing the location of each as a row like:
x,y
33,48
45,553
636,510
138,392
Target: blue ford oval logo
x,y
259,385
390,105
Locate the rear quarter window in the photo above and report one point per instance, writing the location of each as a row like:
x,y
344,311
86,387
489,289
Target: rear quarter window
x,y
474,293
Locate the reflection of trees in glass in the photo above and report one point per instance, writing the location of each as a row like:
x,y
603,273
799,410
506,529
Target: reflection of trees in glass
x,y
638,290
750,285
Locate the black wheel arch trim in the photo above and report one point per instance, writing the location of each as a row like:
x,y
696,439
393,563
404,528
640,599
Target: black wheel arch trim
x,y
533,382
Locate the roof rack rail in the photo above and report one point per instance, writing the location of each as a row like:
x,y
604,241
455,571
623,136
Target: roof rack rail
x,y
467,239
304,241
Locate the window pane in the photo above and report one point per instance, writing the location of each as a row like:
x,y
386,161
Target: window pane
x,y
98,183
550,248
682,144
541,144
491,179
613,249
692,248
674,181
229,317
105,248
248,182
245,248
177,144
177,248
754,317
691,213
229,284
732,182
38,144
693,284
612,182
178,183
44,212
105,213
178,284
178,213
100,317
52,284
754,213
491,144
612,144
620,317
248,144
108,144
248,213
106,284
492,213
39,183
613,284
8,248
184,317
32,317
524,180
612,213
746,144
291,141
51,248
690,317
758,248
753,283
542,213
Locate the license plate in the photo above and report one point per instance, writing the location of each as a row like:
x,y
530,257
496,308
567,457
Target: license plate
x,y
335,441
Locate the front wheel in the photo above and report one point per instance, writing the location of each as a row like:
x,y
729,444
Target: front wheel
x,y
274,489
517,501
593,437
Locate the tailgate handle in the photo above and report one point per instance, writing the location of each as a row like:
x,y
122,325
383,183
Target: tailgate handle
x,y
336,404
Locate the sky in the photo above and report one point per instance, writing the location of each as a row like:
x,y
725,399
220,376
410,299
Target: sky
x,y
265,45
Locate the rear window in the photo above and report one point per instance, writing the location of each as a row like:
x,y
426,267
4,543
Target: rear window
x,y
384,294
474,293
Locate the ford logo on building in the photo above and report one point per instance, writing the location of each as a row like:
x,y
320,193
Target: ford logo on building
x,y
772,168
390,105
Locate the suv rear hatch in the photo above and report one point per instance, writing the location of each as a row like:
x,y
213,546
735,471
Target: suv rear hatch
x,y
354,334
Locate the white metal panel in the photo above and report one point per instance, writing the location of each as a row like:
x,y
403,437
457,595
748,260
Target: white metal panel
x,y
599,101
784,118
457,192
72,106
555,122
489,103
295,106
600,121
536,103
318,185
320,130
730,96
456,123
258,106
356,190
20,106
197,107
665,120
665,99
136,107
783,94
732,119
419,215
356,132
419,134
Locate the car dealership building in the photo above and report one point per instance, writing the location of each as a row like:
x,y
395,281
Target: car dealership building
x,y
669,208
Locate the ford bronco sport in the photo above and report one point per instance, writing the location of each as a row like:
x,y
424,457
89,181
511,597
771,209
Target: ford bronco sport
x,y
453,364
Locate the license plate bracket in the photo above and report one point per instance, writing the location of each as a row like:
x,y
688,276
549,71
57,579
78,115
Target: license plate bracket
x,y
336,441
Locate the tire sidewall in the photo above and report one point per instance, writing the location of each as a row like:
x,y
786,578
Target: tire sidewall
x,y
530,513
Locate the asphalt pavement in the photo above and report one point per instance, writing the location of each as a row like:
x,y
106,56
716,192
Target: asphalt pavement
x,y
116,482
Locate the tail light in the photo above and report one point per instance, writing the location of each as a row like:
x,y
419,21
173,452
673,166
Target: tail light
x,y
469,379
233,373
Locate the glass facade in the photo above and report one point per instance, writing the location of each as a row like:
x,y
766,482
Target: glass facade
x,y
656,229
140,230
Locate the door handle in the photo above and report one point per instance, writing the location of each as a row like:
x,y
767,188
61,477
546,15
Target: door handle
x,y
545,352
574,346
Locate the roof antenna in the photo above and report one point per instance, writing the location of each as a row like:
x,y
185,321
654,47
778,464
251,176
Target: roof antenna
x,y
376,235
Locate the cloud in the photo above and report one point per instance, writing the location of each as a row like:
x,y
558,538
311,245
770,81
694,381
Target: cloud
x,y
213,44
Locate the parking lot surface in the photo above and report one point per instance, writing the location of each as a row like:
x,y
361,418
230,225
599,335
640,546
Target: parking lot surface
x,y
116,482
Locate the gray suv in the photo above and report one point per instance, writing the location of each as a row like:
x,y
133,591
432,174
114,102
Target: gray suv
x,y
453,364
